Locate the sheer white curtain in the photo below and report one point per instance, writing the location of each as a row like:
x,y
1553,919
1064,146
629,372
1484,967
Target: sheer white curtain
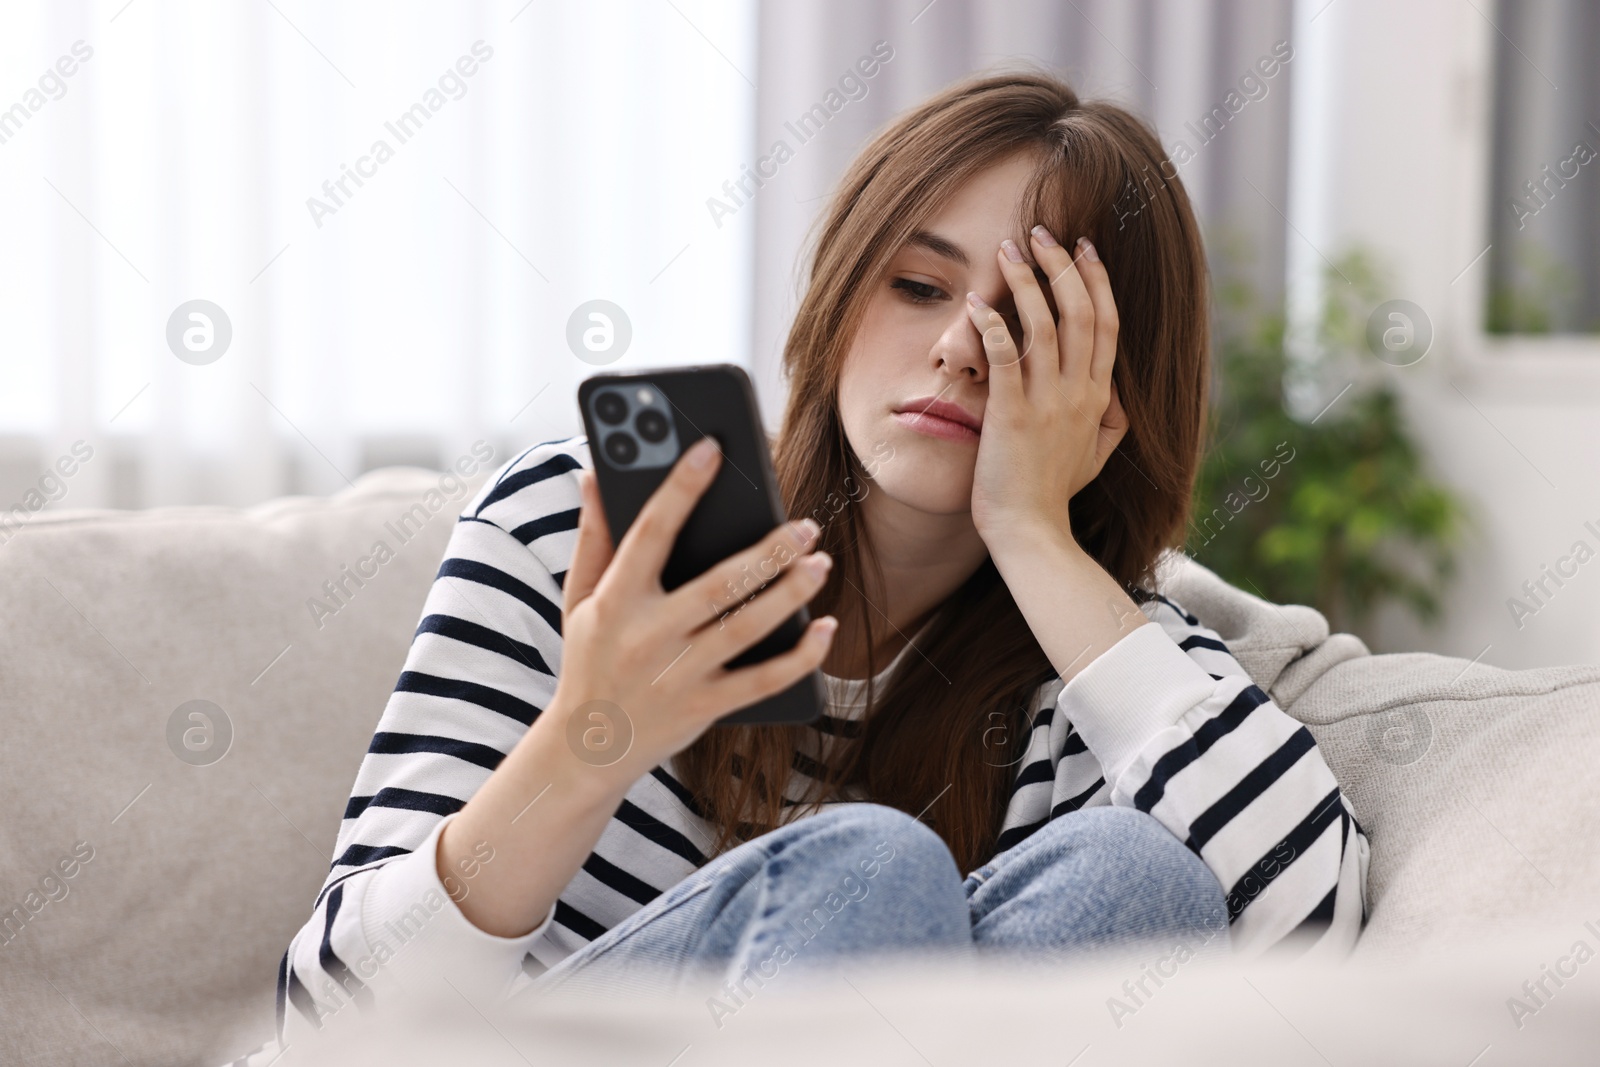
x,y
161,151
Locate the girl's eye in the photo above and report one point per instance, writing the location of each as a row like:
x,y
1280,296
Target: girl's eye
x,y
916,292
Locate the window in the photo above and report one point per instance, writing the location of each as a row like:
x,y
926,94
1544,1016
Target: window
x,y
1544,204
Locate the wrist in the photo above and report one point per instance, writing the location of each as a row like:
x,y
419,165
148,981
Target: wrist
x,y
588,761
538,816
1073,605
1031,538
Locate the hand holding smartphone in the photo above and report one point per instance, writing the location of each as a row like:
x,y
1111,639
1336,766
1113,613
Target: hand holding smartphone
x,y
735,575
654,651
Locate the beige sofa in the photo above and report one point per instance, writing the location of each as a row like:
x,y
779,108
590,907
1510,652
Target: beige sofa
x,y
150,887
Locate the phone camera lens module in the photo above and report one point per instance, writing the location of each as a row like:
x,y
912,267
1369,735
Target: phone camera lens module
x,y
611,408
652,426
622,449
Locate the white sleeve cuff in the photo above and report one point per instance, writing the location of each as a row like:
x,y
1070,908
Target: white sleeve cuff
x,y
424,936
1132,691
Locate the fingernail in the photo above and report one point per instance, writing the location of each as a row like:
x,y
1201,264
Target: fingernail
x,y
805,530
817,564
1088,250
824,628
702,453
976,301
1013,253
1045,236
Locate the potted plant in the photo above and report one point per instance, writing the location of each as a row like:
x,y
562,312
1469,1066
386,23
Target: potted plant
x,y
1336,510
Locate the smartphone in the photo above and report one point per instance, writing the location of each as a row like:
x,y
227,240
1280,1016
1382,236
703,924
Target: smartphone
x,y
638,424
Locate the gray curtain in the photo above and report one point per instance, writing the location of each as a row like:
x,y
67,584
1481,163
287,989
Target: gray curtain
x,y
1544,222
1174,63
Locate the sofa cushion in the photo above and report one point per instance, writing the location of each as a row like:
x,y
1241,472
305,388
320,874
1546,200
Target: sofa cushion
x,y
199,871
1475,785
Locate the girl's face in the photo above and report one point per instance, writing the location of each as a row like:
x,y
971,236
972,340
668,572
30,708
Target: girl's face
x,y
917,343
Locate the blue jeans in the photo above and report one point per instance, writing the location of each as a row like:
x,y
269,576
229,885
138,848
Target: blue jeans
x,y
860,880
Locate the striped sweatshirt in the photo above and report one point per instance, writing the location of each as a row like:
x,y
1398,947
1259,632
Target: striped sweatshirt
x,y
1165,721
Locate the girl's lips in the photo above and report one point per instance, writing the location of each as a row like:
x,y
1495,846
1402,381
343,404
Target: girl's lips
x,y
934,426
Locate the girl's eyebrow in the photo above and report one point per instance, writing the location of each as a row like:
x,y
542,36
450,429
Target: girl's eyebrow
x,y
939,246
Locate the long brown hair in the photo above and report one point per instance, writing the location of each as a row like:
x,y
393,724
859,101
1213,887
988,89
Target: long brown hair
x,y
952,718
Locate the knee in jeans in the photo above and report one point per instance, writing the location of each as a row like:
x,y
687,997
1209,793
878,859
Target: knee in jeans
x,y
1136,845
1126,830
1139,834
880,834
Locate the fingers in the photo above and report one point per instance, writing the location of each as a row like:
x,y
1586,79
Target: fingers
x,y
1097,283
742,687
1040,352
731,634
1079,311
1005,364
722,587
593,551
649,540
1113,428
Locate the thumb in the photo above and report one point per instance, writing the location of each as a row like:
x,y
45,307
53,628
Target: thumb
x,y
594,549
1113,427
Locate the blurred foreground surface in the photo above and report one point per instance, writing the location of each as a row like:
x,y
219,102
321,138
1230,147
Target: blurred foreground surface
x,y
1533,999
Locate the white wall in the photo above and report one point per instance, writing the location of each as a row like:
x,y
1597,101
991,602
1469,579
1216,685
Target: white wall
x,y
1513,427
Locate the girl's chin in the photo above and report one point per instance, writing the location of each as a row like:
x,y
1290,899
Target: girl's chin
x,y
938,489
